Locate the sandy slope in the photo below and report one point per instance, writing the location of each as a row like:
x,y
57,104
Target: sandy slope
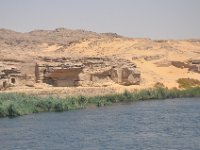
x,y
136,50
151,57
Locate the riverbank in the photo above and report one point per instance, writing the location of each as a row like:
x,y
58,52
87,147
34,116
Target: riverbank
x,y
17,104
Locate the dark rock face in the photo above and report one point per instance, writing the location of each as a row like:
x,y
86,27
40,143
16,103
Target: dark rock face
x,y
194,62
192,65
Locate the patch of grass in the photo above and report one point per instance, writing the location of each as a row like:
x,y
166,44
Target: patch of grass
x,y
186,83
13,104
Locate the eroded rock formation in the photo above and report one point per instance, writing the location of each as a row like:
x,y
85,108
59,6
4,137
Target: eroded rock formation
x,y
9,77
192,65
87,71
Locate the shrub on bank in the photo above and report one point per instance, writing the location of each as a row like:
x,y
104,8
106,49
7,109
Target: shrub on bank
x,y
188,83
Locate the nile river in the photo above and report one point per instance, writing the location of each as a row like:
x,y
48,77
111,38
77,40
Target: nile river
x,y
145,125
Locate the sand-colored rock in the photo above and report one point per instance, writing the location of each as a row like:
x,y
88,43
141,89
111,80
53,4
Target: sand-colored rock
x,y
154,58
86,71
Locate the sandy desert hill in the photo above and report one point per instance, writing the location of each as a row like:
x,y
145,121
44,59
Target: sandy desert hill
x,y
162,61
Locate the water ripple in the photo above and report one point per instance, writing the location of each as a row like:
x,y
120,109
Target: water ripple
x,y
146,125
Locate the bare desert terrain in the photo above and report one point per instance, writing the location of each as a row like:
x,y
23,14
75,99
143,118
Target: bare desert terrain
x,y
163,61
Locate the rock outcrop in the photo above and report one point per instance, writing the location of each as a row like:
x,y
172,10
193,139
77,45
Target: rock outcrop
x,y
192,65
88,71
9,77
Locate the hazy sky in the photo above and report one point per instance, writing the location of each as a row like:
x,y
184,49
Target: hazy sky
x,y
134,18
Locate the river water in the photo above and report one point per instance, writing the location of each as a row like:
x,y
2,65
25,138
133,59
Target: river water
x,y
146,125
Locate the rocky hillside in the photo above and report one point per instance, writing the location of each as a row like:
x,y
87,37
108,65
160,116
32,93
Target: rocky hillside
x,y
158,60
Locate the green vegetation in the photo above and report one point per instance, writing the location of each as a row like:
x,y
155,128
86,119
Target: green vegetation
x,y
13,104
186,83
